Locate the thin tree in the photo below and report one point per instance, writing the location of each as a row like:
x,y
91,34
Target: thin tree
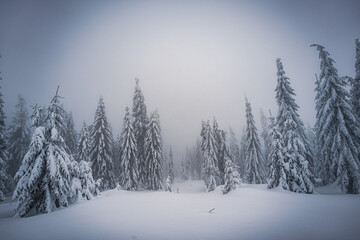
x,y
129,161
4,175
19,136
153,153
209,169
140,123
101,148
254,161
171,166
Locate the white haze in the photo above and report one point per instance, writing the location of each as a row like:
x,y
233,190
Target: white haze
x,y
194,59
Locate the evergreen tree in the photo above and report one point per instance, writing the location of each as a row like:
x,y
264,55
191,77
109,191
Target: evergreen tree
x,y
129,161
83,146
140,122
234,149
153,153
19,139
89,188
232,176
355,86
242,154
70,135
219,137
337,128
277,166
297,157
285,95
266,138
209,170
4,176
101,148
171,167
184,175
44,180
254,161
168,184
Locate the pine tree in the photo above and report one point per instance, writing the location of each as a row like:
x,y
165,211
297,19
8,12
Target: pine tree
x,y
254,169
242,154
153,153
83,146
266,138
184,175
45,178
209,169
355,86
232,176
219,137
19,139
101,148
129,161
234,149
168,184
277,167
171,166
70,135
89,188
337,128
140,122
297,158
4,175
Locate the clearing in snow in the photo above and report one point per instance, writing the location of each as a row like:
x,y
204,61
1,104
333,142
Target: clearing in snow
x,y
249,212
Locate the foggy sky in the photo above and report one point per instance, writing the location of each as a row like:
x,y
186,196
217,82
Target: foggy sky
x,y
194,59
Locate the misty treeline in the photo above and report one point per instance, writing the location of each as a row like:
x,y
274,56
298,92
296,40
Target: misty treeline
x,y
56,165
293,157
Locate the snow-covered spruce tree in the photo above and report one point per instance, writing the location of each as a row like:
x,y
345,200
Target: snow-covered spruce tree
x,y
184,175
45,178
297,156
4,175
232,176
234,149
140,122
277,167
209,170
83,146
254,161
242,154
70,135
266,138
285,94
89,188
129,161
337,128
101,148
355,86
171,166
168,184
19,136
153,153
219,137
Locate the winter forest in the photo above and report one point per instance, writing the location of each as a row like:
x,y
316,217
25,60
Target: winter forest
x,y
268,173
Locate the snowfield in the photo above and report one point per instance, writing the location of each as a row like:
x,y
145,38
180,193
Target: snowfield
x,y
250,212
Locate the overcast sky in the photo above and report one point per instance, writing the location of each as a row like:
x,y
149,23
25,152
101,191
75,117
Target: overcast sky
x,y
194,59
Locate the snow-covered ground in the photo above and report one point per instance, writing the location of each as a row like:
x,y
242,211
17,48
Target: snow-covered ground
x,y
251,212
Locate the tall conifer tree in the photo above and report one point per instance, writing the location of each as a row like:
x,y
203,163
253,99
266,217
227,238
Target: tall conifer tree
x,y
297,156
101,148
254,161
337,128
